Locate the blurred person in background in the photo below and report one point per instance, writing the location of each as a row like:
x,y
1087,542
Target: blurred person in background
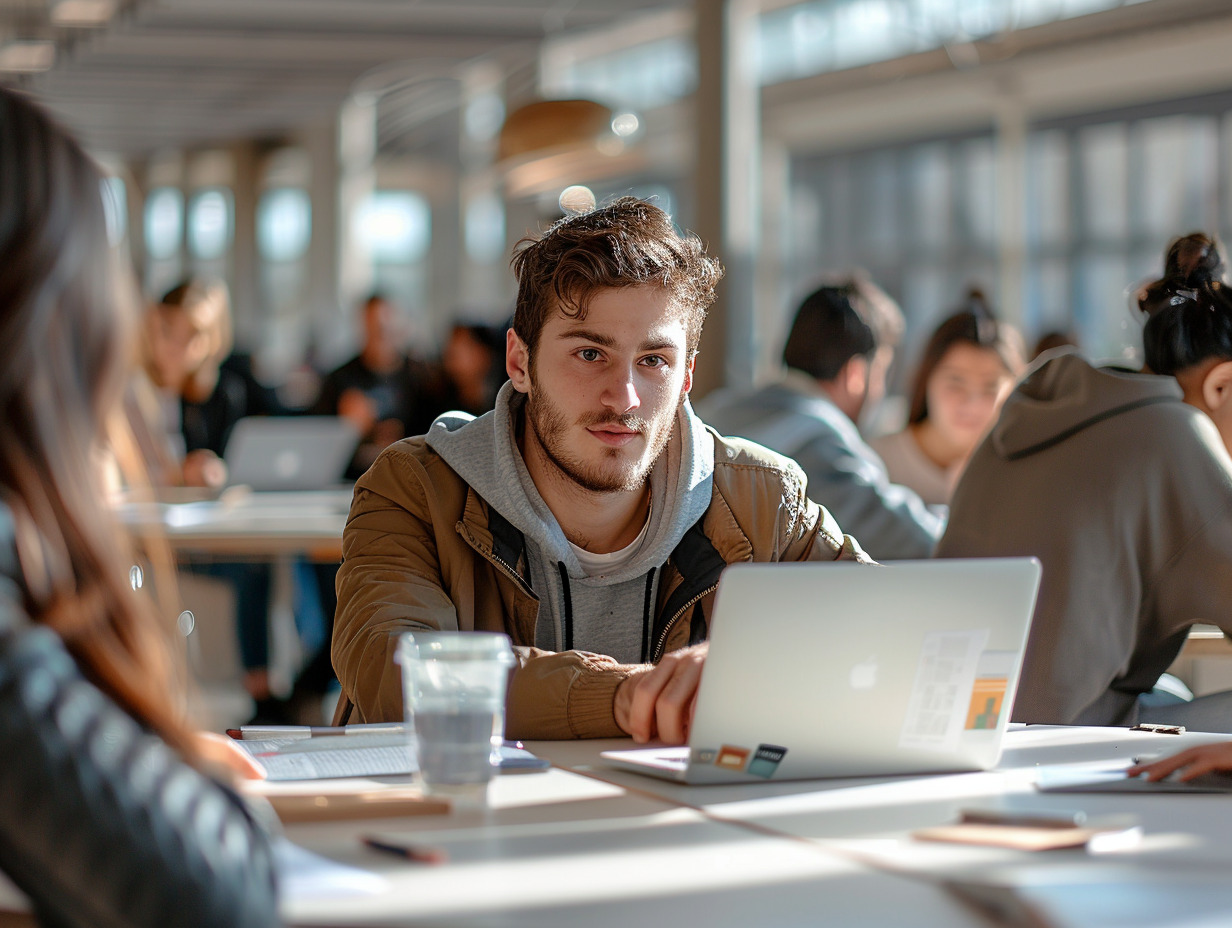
x,y
968,368
382,389
1120,482
192,409
837,355
110,817
473,367
187,337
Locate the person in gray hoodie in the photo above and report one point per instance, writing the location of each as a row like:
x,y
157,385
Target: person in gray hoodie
x,y
1120,482
588,516
837,354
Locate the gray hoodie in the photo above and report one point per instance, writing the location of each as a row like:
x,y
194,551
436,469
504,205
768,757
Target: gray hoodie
x,y
609,615
1124,493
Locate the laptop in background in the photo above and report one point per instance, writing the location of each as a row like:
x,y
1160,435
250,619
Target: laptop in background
x,y
290,452
844,670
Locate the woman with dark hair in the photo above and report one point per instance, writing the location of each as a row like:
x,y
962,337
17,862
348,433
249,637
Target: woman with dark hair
x,y
108,817
969,366
1120,482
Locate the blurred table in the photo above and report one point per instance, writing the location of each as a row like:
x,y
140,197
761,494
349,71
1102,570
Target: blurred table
x,y
241,523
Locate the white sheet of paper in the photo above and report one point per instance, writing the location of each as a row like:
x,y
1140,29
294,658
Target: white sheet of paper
x,y
303,875
941,694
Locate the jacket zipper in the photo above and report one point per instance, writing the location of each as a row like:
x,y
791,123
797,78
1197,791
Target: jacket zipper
x,y
662,642
510,573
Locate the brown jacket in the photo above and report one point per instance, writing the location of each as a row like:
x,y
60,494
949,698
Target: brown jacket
x,y
422,550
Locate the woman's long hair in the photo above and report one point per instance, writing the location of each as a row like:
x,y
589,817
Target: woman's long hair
x,y
67,327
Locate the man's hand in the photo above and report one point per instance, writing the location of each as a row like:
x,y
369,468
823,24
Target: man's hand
x,y
657,702
203,468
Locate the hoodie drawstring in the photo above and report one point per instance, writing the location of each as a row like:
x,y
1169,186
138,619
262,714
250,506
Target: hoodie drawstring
x,y
564,580
646,616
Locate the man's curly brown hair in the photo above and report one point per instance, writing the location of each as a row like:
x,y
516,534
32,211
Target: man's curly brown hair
x,y
625,243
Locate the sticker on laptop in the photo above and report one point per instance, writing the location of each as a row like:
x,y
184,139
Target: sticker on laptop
x,y
992,681
766,760
941,694
704,755
731,758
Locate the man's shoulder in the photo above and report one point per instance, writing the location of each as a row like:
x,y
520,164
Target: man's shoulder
x,y
411,460
740,460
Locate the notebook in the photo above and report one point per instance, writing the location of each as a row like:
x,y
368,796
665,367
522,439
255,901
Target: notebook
x,y
844,670
290,452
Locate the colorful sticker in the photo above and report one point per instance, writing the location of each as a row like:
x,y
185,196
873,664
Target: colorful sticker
x,y
731,758
766,760
989,689
987,697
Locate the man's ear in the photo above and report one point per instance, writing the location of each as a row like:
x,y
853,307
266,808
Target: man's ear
x,y
854,375
1217,385
688,374
517,362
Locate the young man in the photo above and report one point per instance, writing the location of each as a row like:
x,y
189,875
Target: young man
x,y
837,355
590,514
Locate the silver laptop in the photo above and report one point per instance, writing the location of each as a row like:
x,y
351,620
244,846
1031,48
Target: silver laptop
x,y
290,452
843,670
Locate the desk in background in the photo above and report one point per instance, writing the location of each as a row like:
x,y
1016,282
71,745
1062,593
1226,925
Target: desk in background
x,y
277,528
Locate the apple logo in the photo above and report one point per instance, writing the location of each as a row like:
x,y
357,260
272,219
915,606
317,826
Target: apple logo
x,y
864,674
287,464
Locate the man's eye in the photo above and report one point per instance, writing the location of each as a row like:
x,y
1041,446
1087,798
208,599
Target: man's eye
x,y
654,360
589,354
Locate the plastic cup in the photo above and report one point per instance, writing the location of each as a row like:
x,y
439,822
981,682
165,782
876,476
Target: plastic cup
x,y
453,684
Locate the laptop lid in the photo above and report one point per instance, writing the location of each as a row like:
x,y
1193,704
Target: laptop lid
x,y
290,452
840,670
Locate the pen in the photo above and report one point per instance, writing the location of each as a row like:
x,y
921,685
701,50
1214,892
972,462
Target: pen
x,y
412,852
1023,819
275,732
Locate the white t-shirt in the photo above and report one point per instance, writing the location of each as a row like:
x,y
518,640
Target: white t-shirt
x,y
597,565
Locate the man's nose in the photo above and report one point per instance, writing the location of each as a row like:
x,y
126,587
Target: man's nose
x,y
621,392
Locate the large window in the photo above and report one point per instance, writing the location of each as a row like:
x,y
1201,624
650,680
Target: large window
x,y
919,219
396,228
830,35
1103,197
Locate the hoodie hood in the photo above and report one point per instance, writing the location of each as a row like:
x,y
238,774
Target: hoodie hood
x,y
485,454
1063,395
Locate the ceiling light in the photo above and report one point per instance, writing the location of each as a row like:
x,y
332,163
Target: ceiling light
x,y
82,12
27,55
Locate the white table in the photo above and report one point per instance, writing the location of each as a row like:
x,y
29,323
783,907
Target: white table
x,y
562,849
1178,875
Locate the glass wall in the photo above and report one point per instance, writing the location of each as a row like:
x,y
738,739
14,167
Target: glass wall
x,y
1103,197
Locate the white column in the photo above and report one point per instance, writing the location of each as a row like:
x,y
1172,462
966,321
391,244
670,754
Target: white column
x,y
339,268
1011,205
727,184
483,248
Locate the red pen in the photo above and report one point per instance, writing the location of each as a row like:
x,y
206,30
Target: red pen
x,y
415,853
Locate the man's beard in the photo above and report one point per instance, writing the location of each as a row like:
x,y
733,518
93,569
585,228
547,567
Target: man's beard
x,y
550,428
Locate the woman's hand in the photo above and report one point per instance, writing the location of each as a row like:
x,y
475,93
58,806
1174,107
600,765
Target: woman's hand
x,y
1192,763
221,752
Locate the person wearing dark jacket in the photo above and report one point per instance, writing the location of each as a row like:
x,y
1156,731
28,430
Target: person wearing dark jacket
x,y
109,817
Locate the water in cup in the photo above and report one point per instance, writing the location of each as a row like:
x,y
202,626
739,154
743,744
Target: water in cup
x,y
454,686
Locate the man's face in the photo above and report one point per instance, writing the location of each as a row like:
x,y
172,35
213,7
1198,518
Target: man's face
x,y
603,392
